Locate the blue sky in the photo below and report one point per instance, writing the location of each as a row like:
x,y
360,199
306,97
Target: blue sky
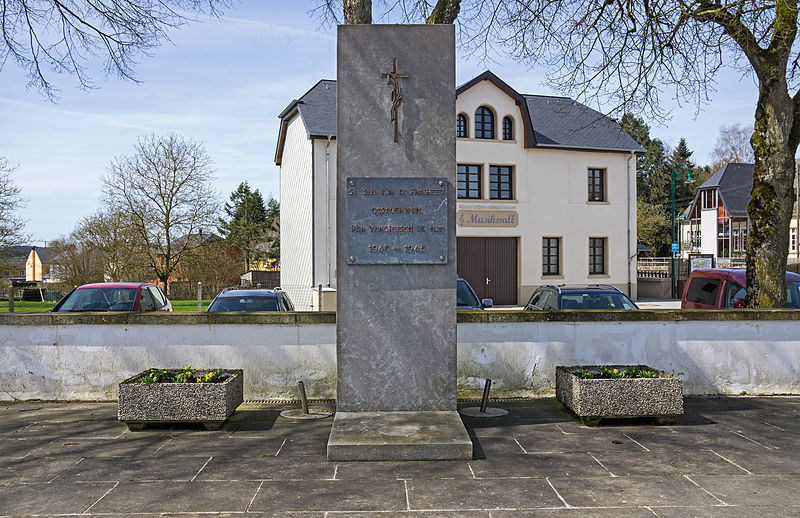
x,y
223,82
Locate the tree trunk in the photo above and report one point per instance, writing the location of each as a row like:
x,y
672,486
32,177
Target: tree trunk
x,y
357,11
771,205
446,11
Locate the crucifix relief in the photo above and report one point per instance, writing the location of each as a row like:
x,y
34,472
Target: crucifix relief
x,y
393,79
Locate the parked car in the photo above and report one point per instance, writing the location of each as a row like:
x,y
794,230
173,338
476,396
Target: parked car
x,y
588,296
256,299
114,296
467,299
716,288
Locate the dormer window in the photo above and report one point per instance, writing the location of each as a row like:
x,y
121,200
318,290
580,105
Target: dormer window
x,y
508,129
461,126
484,123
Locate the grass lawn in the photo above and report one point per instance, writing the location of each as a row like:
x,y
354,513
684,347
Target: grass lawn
x,y
21,306
188,305
38,307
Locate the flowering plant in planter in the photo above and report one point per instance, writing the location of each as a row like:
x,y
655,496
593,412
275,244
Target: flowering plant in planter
x,y
604,372
185,395
610,391
184,375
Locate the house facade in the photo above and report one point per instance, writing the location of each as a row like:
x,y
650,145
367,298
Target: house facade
x,y
717,223
545,193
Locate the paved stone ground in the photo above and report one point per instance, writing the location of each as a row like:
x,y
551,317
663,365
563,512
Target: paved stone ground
x,y
726,457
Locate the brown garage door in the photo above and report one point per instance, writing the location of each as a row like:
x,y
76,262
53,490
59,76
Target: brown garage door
x,y
489,264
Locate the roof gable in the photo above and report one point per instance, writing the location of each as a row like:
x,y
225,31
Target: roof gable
x,y
550,122
734,182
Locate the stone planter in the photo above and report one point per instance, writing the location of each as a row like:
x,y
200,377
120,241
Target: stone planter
x,y
595,399
212,404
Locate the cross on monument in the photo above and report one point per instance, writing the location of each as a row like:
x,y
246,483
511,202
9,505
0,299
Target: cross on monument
x,y
393,78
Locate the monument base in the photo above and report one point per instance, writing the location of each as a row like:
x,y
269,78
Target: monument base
x,y
365,436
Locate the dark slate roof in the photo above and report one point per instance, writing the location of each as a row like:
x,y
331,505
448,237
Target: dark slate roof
x,y
565,123
557,122
735,184
318,109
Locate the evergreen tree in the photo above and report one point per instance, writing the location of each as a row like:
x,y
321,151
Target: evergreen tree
x,y
650,165
247,224
274,230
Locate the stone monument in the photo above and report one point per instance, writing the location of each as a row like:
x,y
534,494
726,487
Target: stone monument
x,y
396,246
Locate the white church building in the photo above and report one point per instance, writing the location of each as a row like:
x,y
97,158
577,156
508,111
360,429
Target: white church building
x,y
546,194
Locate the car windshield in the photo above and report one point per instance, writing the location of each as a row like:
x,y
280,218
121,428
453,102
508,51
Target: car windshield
x,y
465,296
245,303
601,300
100,299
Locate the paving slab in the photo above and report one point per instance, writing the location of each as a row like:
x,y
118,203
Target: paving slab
x,y
298,467
758,462
474,494
220,445
631,491
333,495
732,511
594,512
172,496
33,469
676,462
744,490
55,498
126,469
538,465
602,440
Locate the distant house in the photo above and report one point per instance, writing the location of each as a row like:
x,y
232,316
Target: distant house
x,y
717,221
546,193
29,264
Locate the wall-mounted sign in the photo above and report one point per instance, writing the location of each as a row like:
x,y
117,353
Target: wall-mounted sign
x,y
487,218
397,221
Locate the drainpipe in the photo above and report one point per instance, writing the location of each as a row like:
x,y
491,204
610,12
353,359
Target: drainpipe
x,y
630,257
328,207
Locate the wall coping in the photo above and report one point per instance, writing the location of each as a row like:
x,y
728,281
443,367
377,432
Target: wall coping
x,y
463,317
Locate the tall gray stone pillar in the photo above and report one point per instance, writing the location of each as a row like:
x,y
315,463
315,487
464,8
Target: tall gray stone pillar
x,y
396,268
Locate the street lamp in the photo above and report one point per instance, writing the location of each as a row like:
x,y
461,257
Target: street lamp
x,y
674,248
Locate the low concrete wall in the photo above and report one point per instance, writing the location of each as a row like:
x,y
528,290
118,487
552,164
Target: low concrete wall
x,y
655,288
83,357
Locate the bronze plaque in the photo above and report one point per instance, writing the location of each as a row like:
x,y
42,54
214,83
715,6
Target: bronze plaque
x,y
396,221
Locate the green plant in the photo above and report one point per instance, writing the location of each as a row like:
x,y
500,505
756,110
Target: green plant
x,y
186,374
155,376
211,377
604,372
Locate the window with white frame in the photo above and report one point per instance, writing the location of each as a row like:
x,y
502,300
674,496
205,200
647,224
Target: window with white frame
x,y
709,199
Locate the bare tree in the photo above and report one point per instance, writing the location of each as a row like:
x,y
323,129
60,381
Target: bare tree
x,y
75,262
64,36
165,189
628,54
11,225
733,145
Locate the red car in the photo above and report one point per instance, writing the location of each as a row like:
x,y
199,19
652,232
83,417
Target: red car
x,y
725,288
114,296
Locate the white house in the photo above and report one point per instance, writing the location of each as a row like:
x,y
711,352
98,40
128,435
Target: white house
x,y
717,223
546,193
